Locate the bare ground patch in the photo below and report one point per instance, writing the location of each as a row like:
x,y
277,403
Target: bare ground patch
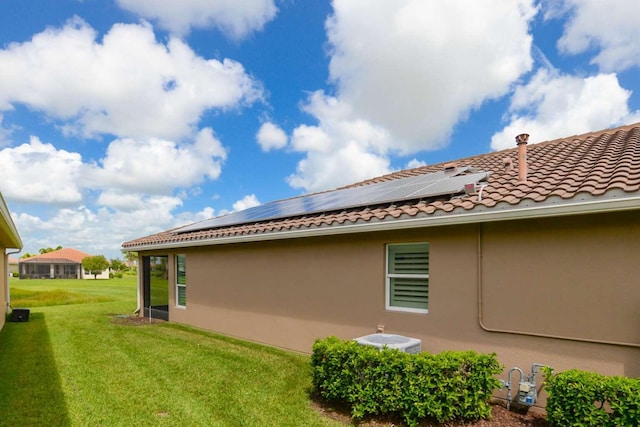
x,y
133,320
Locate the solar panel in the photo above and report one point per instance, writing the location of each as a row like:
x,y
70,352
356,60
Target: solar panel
x,y
413,187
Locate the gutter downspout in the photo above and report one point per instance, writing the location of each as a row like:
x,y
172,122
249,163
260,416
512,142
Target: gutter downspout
x,y
6,280
533,334
139,286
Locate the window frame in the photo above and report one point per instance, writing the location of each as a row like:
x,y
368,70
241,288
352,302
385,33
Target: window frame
x,y
389,276
178,285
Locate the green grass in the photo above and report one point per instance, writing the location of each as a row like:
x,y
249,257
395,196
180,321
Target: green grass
x,y
31,298
80,291
75,364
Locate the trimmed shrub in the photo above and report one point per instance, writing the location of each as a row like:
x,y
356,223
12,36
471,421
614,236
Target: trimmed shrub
x,y
446,386
591,399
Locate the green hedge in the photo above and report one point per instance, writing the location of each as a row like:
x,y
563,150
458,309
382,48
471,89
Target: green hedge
x,y
446,386
580,398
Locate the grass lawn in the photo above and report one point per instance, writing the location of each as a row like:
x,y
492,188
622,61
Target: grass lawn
x,y
75,363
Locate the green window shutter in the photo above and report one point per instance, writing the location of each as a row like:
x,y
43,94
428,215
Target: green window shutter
x,y
181,280
181,269
182,295
408,276
409,259
410,293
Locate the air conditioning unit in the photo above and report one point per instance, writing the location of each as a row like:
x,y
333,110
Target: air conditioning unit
x,y
399,342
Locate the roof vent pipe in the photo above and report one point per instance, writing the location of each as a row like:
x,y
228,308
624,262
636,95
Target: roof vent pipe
x,y
521,140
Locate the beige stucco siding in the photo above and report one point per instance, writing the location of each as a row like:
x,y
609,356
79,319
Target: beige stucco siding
x,y
576,277
331,285
573,277
4,283
9,238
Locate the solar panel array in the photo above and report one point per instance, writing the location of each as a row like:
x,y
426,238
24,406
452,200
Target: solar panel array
x,y
413,187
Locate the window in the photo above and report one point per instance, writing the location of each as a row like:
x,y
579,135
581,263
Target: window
x,y
408,277
181,280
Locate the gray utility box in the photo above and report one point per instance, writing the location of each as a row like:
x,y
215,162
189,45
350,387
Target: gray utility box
x,y
20,315
399,342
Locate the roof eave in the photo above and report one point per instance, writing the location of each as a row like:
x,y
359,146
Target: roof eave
x,y
452,218
7,227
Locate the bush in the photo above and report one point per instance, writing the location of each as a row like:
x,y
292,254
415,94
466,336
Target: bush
x,y
590,399
446,386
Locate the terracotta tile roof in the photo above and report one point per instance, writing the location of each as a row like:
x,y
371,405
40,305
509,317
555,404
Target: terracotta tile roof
x,y
61,256
584,168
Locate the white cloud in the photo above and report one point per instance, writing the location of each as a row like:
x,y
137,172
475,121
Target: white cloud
x,y
417,68
26,221
235,18
551,106
154,213
404,77
36,172
185,218
121,201
615,38
158,166
325,170
133,185
271,137
310,138
98,231
127,84
75,227
246,202
415,163
340,150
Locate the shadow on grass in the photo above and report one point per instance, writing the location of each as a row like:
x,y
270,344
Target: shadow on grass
x,y
30,388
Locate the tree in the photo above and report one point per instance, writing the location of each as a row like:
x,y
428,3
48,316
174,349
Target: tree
x,y
47,250
27,255
131,257
96,264
118,265
132,260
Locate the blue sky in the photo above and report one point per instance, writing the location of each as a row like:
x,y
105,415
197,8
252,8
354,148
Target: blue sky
x,y
122,118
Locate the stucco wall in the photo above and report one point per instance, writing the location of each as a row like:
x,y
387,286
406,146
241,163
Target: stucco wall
x,y
576,278
4,283
290,292
86,275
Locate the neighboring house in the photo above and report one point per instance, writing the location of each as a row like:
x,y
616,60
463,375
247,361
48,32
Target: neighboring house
x,y
13,264
64,263
10,242
537,261
131,264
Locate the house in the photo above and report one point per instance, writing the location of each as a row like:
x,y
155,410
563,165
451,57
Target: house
x,y
13,265
532,253
10,242
64,263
